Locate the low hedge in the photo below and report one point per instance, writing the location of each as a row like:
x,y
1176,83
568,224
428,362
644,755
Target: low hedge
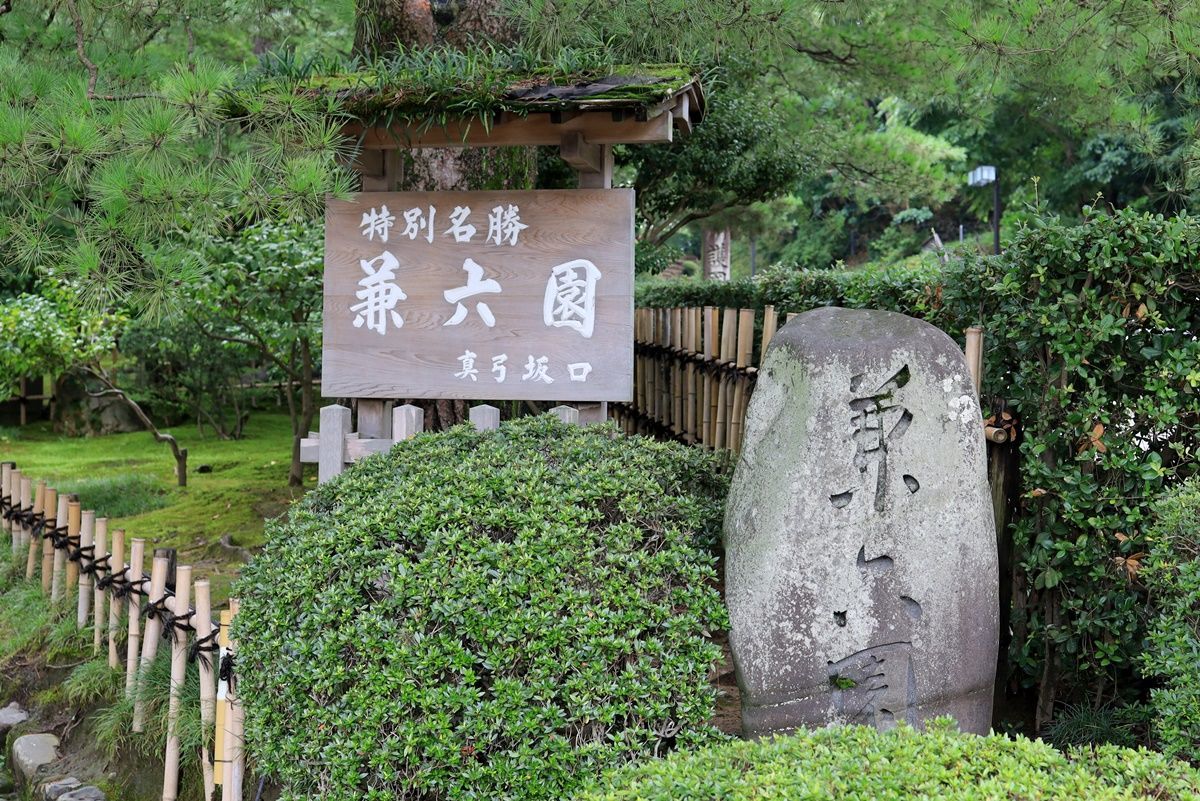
x,y
861,764
921,287
485,615
1172,578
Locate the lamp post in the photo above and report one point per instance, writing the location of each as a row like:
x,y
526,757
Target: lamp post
x,y
982,176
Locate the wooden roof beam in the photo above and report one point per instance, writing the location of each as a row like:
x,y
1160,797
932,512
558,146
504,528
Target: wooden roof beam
x,y
596,127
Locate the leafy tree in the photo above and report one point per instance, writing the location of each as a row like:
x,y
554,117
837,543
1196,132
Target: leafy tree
x,y
739,155
263,293
45,334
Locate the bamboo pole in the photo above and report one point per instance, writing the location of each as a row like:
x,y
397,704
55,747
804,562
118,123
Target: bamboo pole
x,y
35,546
58,556
100,621
208,698
14,488
741,392
117,566
640,361
235,764
133,641
6,493
689,417
222,722
770,323
74,535
709,351
677,421
179,648
665,366
87,545
52,505
158,591
724,389
974,354
22,490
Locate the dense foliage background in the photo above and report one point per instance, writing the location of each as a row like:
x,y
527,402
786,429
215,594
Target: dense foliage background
x,y
1092,341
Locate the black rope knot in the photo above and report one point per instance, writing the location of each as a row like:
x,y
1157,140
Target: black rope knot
x,y
57,536
37,522
157,610
25,516
75,550
203,648
174,625
109,581
85,555
227,670
7,510
101,565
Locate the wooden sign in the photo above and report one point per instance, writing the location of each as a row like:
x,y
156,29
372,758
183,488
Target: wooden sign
x,y
480,295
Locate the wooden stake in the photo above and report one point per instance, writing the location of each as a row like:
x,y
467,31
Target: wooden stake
x,y
74,532
484,417
158,589
179,648
208,690
114,606
100,620
55,509
58,556
35,546
235,759
87,540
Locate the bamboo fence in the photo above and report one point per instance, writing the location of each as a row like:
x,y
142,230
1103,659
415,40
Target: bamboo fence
x,y
695,370
82,568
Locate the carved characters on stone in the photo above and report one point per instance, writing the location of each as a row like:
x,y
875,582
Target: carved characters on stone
x,y
861,571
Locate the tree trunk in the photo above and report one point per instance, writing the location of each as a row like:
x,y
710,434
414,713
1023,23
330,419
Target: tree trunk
x,y
383,26
110,388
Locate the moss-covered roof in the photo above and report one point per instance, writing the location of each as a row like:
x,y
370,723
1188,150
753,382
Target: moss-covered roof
x,y
384,96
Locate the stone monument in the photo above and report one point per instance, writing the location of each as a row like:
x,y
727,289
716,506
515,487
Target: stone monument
x,y
861,572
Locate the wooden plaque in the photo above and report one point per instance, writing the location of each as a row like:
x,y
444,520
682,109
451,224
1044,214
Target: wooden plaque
x,y
507,295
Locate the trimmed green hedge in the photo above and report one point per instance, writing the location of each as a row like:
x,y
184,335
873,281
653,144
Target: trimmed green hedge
x,y
860,764
1172,578
921,287
485,615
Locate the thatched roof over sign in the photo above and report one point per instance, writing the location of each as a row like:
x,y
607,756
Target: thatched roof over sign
x,y
447,101
634,90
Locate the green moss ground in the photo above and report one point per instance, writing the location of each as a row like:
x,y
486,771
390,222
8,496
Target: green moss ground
x,y
131,475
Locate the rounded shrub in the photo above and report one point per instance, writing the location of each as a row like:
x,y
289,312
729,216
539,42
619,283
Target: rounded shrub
x,y
484,615
860,764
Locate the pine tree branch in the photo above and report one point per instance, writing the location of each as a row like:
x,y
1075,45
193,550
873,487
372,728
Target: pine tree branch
x,y
92,70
